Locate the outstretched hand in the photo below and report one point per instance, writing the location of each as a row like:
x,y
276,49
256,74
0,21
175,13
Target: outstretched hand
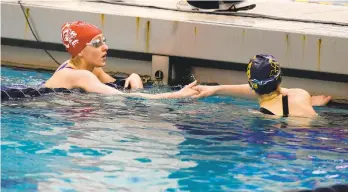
x,y
320,100
188,90
203,91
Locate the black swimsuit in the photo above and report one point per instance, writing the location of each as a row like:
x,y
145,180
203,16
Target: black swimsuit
x,y
285,107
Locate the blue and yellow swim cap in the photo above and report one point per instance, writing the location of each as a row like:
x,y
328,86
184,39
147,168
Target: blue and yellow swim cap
x,y
264,74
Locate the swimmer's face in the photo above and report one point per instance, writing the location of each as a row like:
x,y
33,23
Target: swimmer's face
x,y
95,51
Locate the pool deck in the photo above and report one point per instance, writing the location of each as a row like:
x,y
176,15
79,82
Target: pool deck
x,y
309,40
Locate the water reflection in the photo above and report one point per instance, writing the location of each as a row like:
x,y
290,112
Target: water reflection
x,y
113,144
87,142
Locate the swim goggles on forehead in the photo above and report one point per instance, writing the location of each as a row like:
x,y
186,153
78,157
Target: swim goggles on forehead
x,y
97,42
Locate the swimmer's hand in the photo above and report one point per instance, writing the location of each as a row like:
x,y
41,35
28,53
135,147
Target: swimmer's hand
x,y
204,91
134,81
188,90
320,100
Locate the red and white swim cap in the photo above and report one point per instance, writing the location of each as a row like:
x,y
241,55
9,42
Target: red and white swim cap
x,y
75,35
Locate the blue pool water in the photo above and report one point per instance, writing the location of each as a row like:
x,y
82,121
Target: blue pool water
x,y
88,142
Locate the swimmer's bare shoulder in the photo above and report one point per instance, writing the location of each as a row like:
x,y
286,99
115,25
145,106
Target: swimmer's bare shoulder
x,y
296,93
300,95
80,78
67,78
300,103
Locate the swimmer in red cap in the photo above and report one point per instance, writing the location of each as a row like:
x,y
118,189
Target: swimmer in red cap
x,y
87,47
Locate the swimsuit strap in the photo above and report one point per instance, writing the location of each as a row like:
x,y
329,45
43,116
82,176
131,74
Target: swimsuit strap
x,y
64,66
285,106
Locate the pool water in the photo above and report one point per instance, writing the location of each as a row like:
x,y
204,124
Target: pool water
x,y
89,142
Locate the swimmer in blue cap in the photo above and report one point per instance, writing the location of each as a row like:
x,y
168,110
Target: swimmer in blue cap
x,y
264,79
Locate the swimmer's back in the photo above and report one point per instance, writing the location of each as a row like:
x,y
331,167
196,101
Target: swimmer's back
x,y
299,102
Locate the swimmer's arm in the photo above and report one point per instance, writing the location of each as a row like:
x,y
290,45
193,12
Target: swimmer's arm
x,y
103,76
172,95
187,91
90,83
242,90
133,80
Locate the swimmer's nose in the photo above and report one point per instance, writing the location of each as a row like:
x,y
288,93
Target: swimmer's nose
x,y
106,47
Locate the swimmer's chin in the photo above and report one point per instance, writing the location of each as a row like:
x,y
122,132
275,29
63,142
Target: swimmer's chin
x,y
102,64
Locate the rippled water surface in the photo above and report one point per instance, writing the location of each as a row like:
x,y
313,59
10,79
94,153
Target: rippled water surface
x,y
88,142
